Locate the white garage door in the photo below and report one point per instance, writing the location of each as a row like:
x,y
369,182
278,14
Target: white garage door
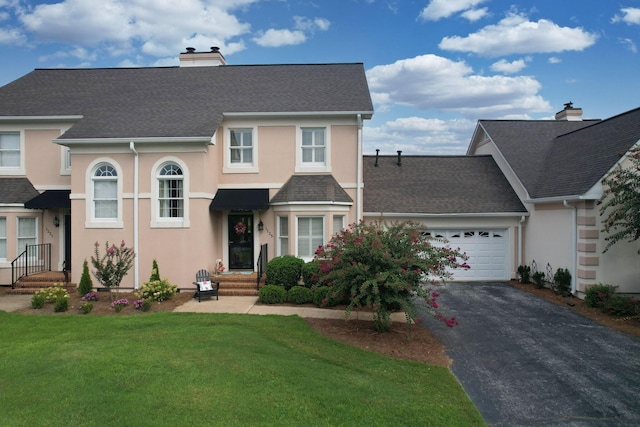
x,y
487,251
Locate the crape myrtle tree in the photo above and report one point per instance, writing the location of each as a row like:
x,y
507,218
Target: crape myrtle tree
x,y
386,266
110,268
621,202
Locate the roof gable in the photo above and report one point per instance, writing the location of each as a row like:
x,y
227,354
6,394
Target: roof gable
x,y
311,188
16,190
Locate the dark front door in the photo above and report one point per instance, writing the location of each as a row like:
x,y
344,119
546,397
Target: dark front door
x,y
240,241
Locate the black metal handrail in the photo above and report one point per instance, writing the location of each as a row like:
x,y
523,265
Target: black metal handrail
x,y
34,259
262,263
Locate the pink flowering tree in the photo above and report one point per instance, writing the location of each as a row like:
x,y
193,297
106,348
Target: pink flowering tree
x,y
110,268
385,267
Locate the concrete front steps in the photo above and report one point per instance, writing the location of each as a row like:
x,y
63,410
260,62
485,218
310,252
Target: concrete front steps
x,y
28,285
238,284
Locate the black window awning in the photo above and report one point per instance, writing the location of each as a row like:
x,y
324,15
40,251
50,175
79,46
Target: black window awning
x,y
50,199
245,199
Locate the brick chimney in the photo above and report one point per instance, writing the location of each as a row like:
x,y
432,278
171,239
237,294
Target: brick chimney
x,y
191,58
569,113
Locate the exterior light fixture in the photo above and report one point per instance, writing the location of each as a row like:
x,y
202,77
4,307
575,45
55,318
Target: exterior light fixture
x,y
260,226
56,221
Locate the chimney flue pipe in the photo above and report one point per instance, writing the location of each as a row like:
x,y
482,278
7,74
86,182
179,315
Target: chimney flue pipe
x,y
399,158
377,154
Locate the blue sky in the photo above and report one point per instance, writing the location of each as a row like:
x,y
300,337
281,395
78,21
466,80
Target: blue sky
x,y
434,66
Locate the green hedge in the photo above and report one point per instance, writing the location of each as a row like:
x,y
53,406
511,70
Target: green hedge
x,y
272,294
300,295
284,270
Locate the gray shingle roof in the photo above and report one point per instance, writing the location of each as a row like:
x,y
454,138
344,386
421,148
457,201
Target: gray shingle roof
x,y
560,158
437,185
16,190
179,102
311,188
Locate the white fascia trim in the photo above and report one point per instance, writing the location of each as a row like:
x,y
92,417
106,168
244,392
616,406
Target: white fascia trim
x,y
365,114
40,118
51,187
592,194
127,141
312,203
448,215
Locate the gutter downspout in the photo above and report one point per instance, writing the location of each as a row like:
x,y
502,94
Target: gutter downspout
x,y
359,172
574,241
522,218
136,280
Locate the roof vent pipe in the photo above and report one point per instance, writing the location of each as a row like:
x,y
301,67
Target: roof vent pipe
x,y
399,158
191,49
377,154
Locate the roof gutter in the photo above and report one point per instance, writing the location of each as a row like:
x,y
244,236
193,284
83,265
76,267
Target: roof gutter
x,y
231,114
40,119
446,215
139,140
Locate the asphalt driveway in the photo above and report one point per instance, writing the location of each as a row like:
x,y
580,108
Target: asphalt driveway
x,y
527,362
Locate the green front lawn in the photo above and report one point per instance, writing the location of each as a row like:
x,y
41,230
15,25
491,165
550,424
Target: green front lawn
x,y
179,369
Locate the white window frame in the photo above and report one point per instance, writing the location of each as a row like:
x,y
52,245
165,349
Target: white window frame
x,y
111,178
19,169
302,166
158,221
3,238
340,218
65,161
283,235
19,246
92,221
309,257
241,167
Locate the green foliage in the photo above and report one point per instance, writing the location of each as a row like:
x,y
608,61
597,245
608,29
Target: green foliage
x,y
155,272
86,285
38,301
311,273
385,266
621,305
538,279
61,304
561,282
272,294
85,308
596,295
53,293
157,290
111,267
321,296
284,270
621,202
524,272
300,295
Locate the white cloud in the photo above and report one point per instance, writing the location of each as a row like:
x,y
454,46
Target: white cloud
x,y
275,38
475,14
438,9
433,82
12,36
554,60
418,135
506,67
630,16
305,24
158,28
629,44
516,34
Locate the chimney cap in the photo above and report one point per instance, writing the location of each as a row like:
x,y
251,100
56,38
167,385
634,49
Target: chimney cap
x,y
191,50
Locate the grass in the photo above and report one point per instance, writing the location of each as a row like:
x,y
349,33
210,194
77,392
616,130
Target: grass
x,y
210,369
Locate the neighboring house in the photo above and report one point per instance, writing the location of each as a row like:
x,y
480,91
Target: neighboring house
x,y
186,164
547,213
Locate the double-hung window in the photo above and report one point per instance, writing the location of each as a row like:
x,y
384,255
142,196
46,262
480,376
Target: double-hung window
x,y
27,234
105,192
310,235
314,147
3,238
241,147
170,192
283,235
9,149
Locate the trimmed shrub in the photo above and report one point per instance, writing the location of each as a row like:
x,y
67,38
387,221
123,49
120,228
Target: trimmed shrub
x,y
61,304
621,305
562,282
524,272
284,270
538,279
157,290
596,295
311,274
272,294
86,307
321,296
300,295
86,285
38,300
155,272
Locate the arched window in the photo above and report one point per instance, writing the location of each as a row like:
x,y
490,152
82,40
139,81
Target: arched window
x,y
105,192
170,191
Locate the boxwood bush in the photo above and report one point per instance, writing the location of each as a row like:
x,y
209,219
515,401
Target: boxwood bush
x,y
311,274
272,294
596,295
284,270
300,295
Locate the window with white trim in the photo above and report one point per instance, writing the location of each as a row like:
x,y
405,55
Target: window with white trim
x,y
170,192
310,235
9,149
314,147
105,192
27,233
66,153
241,146
338,224
3,238
283,235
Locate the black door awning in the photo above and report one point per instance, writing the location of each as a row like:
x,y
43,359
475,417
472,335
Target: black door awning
x,y
245,199
50,199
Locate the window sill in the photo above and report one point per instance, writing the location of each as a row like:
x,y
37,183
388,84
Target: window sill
x,y
104,224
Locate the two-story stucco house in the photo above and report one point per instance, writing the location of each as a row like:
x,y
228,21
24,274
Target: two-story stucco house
x,y
186,164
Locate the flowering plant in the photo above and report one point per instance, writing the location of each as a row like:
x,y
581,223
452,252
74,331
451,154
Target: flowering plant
x,y
219,266
142,304
240,227
111,267
91,296
119,304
